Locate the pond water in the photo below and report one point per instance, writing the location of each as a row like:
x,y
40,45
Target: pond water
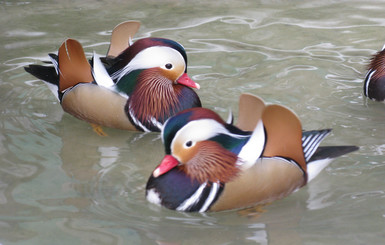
x,y
60,183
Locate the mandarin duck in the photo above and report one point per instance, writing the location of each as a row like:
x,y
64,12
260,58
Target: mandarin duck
x,y
374,83
212,165
135,87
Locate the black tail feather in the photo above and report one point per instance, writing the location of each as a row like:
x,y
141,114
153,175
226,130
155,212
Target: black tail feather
x,y
311,140
324,152
45,73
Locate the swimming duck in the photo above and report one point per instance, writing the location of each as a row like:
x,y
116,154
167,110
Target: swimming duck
x,y
374,85
212,165
137,86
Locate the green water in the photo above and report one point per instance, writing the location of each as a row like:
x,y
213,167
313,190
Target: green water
x,y
60,183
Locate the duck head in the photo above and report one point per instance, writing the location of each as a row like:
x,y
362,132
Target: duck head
x,y
153,74
198,142
163,57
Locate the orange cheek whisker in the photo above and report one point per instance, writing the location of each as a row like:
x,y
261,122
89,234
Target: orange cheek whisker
x,y
212,163
148,104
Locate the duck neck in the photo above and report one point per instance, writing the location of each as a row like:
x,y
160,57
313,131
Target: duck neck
x,y
153,99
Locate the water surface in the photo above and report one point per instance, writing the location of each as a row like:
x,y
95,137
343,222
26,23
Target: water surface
x,y
60,183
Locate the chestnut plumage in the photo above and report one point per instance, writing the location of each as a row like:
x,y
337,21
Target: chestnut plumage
x,y
211,165
137,86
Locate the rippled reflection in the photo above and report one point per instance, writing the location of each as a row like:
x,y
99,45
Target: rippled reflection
x,y
61,183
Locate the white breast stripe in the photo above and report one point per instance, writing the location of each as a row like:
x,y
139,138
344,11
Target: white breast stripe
x,y
136,121
367,81
193,199
210,198
156,123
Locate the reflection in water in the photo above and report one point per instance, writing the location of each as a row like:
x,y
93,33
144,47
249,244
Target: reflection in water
x,y
20,166
111,193
61,182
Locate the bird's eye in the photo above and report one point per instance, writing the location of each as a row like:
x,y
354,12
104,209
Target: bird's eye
x,y
168,66
189,143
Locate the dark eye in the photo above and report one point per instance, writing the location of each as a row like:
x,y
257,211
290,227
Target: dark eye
x,y
168,66
189,143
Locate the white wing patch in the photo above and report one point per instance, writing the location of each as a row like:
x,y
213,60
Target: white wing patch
x,y
253,148
153,197
315,167
55,64
101,76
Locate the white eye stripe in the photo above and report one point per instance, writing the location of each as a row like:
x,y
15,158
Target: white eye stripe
x,y
197,130
200,130
157,56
